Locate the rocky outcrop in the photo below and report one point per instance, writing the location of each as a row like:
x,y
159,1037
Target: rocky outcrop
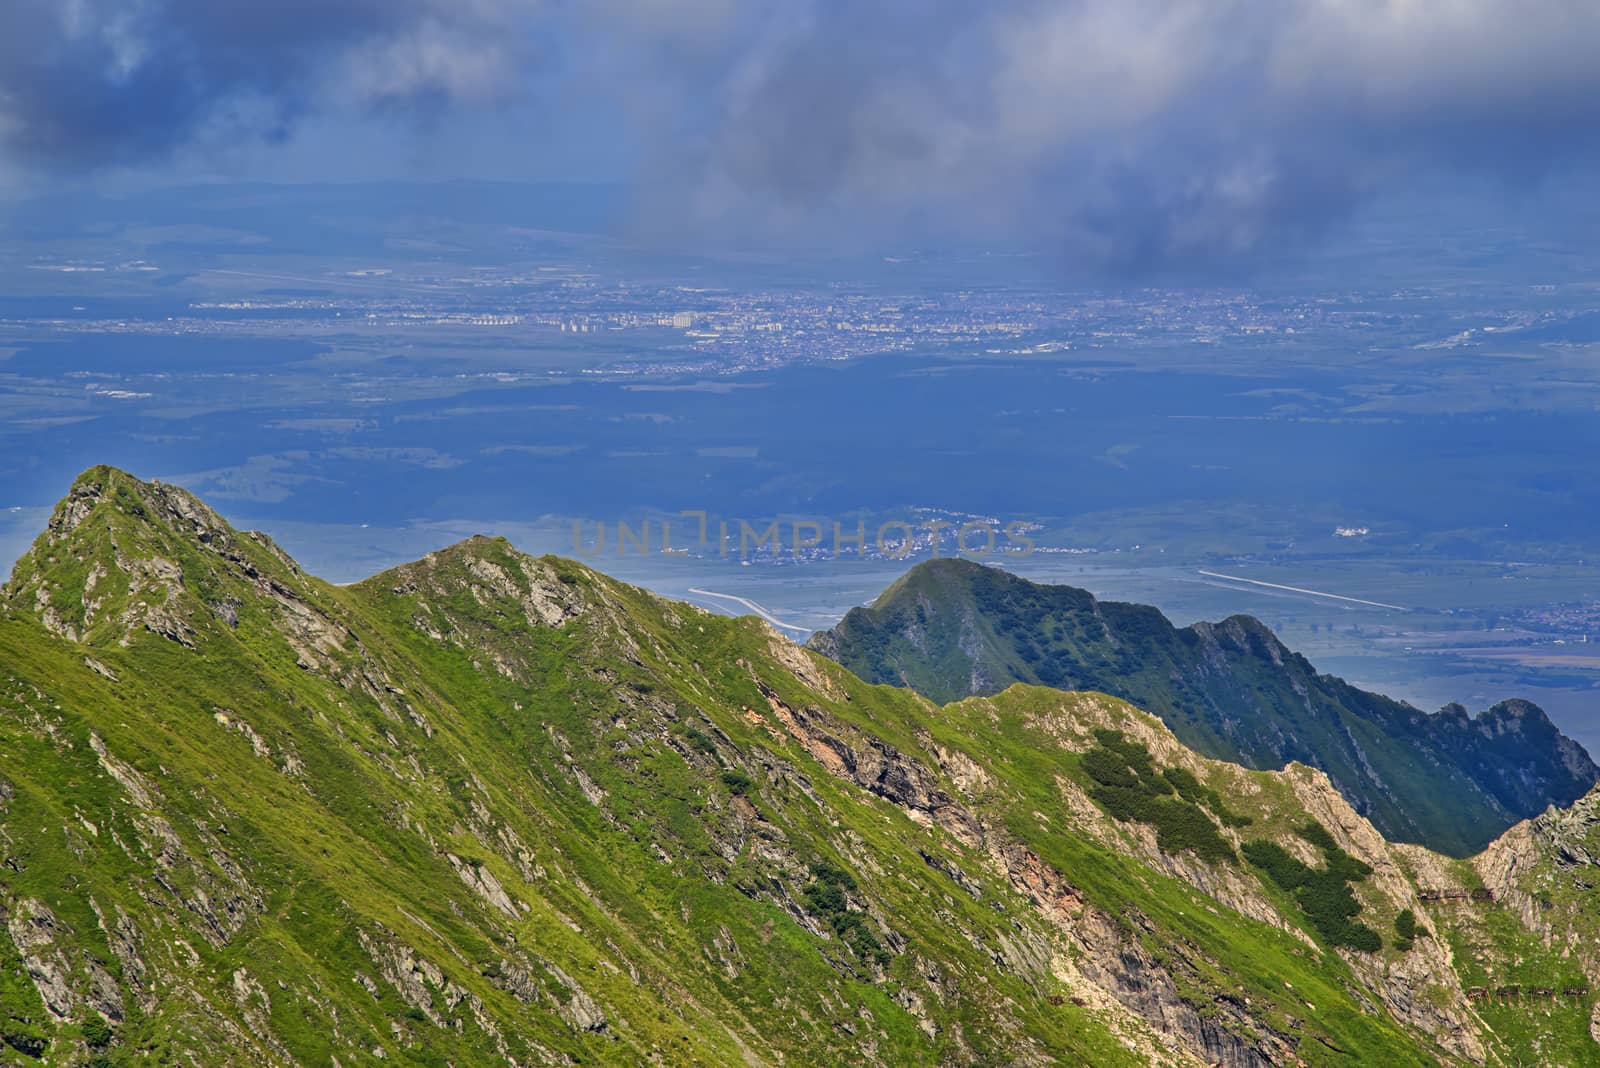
x,y
876,766
533,585
1115,961
1527,867
1095,955
35,931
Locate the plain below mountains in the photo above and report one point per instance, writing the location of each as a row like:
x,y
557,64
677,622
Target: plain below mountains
x,y
1231,690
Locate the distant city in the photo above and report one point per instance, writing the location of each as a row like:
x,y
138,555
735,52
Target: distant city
x,y
671,330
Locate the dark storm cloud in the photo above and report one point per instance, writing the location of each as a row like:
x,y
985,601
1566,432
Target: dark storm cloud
x,y
85,83
1138,132
1128,131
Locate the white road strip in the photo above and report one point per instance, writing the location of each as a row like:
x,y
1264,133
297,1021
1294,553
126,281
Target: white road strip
x,y
752,606
1300,589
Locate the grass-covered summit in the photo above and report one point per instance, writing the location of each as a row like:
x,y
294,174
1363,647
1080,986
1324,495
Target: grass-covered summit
x,y
487,808
952,628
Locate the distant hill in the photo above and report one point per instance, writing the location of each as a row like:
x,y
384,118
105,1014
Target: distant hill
x,y
1231,690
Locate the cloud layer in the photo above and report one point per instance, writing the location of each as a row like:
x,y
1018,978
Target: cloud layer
x,y
1131,132
90,83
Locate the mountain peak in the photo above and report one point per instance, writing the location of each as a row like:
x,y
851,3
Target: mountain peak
x,y
547,590
947,565
121,554
954,576
953,569
114,495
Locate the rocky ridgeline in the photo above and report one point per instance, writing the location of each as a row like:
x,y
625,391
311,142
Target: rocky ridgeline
x,y
487,808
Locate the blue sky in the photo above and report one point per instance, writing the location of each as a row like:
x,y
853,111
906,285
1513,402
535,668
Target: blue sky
x,y
1126,132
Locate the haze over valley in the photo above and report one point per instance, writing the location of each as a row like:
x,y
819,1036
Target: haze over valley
x,y
372,371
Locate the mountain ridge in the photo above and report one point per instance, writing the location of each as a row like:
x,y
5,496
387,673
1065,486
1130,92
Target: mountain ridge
x,y
491,808
1231,690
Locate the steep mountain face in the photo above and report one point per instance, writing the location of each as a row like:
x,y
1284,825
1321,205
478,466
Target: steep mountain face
x,y
492,809
1231,690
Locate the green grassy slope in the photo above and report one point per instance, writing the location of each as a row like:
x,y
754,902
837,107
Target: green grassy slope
x,y
1231,690
487,809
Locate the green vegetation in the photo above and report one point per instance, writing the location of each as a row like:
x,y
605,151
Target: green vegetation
x,y
1324,894
1405,930
464,812
1494,953
1129,788
1194,791
97,1033
481,808
1231,691
827,896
